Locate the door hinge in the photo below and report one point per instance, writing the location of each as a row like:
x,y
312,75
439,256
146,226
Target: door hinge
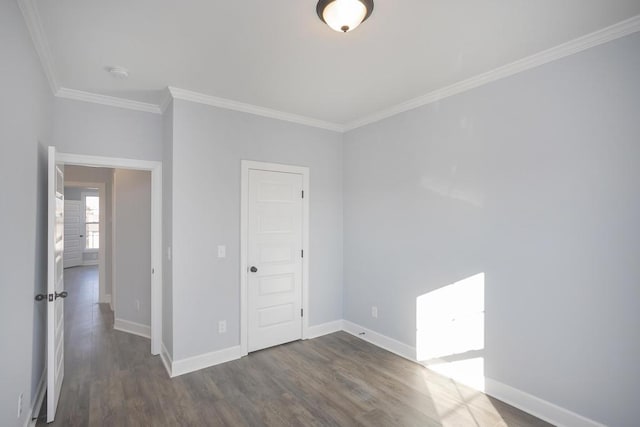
x,y
153,271
301,253
303,194
302,312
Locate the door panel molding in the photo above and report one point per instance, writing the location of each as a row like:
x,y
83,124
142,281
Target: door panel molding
x,y
246,166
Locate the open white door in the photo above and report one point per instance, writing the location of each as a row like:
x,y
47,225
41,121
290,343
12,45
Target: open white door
x,y
55,286
73,233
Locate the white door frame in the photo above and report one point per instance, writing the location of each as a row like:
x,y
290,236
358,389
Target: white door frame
x,y
102,263
247,165
156,226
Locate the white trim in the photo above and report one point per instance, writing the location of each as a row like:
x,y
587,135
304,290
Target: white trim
x,y
166,101
106,299
596,38
229,104
537,407
112,303
167,361
156,228
202,361
36,404
604,35
324,329
111,101
132,328
382,341
108,162
39,38
246,165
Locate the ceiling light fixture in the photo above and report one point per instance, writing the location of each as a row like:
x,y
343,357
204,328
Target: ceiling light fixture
x,y
344,15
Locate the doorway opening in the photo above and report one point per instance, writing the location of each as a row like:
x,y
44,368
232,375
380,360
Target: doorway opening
x,y
134,175
95,237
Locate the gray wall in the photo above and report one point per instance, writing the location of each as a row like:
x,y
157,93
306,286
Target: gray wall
x,y
99,130
74,173
532,180
132,244
167,229
208,145
25,131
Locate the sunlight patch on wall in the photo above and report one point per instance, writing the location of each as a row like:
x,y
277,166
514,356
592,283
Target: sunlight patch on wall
x,y
450,330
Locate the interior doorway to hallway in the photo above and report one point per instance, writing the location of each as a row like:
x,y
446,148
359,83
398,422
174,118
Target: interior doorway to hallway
x,y
138,262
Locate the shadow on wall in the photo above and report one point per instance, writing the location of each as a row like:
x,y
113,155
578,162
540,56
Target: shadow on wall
x,y
450,331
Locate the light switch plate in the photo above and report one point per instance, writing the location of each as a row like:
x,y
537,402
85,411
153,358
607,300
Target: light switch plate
x,y
222,251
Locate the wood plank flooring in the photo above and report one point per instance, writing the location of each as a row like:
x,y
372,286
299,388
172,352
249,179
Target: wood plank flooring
x,y
335,380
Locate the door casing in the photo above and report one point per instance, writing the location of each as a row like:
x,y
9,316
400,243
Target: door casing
x,y
155,269
247,165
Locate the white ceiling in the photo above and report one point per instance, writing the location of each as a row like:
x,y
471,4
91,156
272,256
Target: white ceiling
x,y
277,54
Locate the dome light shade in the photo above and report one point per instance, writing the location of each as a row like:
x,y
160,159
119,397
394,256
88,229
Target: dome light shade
x,y
344,15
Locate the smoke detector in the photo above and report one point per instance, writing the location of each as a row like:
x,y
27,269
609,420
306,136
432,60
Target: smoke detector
x,y
118,72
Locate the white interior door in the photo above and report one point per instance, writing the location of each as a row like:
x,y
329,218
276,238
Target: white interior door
x,y
55,285
274,242
73,233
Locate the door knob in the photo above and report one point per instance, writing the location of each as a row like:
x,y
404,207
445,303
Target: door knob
x,y
253,269
62,294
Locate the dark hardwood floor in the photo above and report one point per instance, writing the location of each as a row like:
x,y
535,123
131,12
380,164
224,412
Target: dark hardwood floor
x,y
111,379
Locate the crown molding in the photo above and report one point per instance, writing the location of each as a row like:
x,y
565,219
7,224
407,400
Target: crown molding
x,y
229,104
34,25
111,101
166,100
607,34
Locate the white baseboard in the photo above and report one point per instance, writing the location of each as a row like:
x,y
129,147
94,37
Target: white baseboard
x,y
528,403
132,328
383,341
106,299
202,361
535,406
195,363
324,329
32,419
167,361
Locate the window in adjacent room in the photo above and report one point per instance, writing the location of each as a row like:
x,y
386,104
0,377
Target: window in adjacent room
x,y
92,222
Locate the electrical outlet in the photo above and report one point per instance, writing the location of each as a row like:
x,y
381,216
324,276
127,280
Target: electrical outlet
x,y
222,251
138,304
374,312
222,327
20,404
